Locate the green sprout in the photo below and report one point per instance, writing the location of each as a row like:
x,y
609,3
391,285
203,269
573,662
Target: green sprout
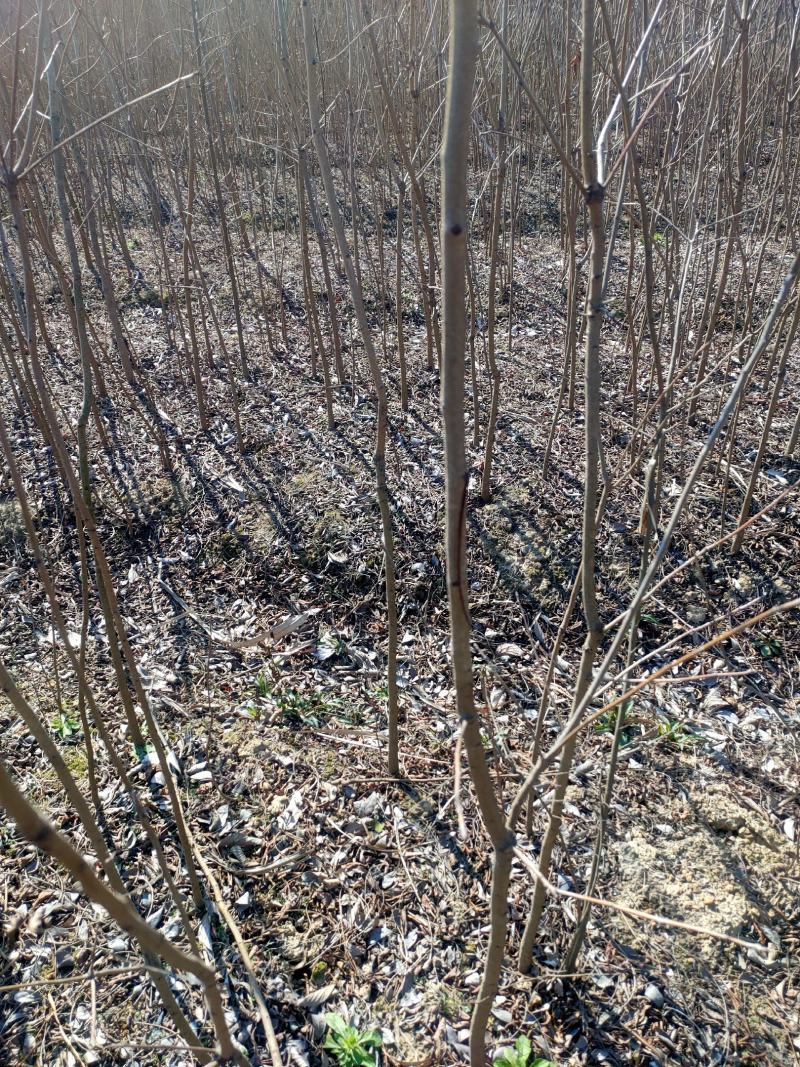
x,y
607,723
521,1055
349,1046
65,726
675,733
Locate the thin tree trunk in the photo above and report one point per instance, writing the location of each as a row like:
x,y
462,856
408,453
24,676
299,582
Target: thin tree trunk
x,y
455,150
494,255
593,196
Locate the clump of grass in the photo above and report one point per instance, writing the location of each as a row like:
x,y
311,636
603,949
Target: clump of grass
x,y
304,709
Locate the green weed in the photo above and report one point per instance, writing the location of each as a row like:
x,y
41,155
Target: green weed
x,y
675,733
521,1055
65,726
768,647
607,723
349,1046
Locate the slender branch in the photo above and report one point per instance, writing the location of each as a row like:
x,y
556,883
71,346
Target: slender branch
x,y
573,173
97,122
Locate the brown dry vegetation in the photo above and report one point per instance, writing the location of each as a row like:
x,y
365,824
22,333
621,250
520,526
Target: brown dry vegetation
x,y
243,538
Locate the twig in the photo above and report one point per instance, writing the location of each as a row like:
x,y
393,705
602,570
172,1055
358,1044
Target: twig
x,y
108,972
266,868
244,954
405,865
97,122
634,913
457,801
562,155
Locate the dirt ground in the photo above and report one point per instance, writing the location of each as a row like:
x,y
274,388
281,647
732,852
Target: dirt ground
x,y
354,892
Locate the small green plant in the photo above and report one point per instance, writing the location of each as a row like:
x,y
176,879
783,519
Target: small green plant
x,y
149,297
348,1046
607,723
228,546
449,1002
521,1055
353,714
675,733
65,726
297,709
768,647
263,685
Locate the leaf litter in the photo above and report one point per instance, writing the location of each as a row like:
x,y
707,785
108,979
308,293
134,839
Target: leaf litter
x,y
252,586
